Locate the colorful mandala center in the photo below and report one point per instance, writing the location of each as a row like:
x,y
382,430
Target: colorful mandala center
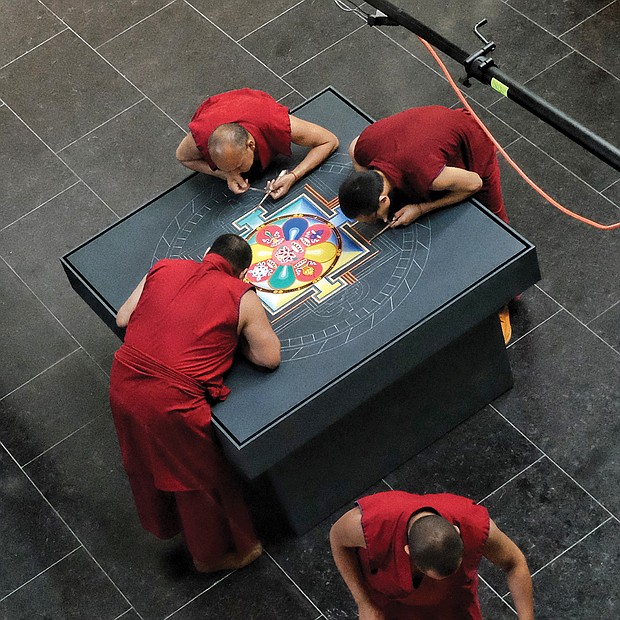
x,y
292,252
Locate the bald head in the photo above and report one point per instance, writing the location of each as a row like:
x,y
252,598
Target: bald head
x,y
227,144
435,544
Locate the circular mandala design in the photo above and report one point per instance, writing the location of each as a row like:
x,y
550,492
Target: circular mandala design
x,y
292,252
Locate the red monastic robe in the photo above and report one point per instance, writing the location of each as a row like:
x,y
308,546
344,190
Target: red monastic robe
x,y
413,147
387,569
180,341
257,112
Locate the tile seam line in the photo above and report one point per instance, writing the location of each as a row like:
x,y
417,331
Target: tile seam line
x,y
534,328
596,64
77,430
294,583
578,320
243,48
609,512
200,594
89,187
56,319
21,217
610,518
41,572
513,141
610,346
118,34
266,23
124,613
583,21
557,37
64,163
36,135
501,486
598,316
42,372
434,68
284,96
33,48
571,172
346,36
571,546
529,19
25,473
100,125
610,185
570,52
573,50
111,65
499,596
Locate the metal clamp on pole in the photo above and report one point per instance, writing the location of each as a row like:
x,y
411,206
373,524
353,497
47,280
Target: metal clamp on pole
x,y
477,63
381,19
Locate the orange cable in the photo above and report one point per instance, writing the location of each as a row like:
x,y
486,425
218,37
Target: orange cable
x,y
522,174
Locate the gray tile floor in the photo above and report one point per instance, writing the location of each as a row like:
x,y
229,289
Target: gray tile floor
x,y
94,97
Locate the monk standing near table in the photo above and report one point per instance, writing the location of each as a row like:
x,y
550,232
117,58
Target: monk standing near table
x,y
415,557
184,321
243,130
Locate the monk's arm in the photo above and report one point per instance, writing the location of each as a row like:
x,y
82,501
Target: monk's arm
x,y
189,155
501,551
345,537
259,342
126,310
356,165
458,184
321,142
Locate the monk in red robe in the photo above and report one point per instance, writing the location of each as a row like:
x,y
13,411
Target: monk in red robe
x,y
184,321
420,160
430,157
415,557
242,130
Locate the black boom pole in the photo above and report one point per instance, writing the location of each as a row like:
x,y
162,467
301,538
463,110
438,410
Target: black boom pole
x,y
479,66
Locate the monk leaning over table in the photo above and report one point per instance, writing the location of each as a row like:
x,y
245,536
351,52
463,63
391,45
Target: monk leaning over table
x,y
184,322
418,161
238,133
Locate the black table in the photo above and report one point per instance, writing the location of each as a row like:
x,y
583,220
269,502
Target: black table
x,y
385,346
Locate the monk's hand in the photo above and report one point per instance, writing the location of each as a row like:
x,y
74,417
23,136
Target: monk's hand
x,y
369,611
406,215
280,186
237,184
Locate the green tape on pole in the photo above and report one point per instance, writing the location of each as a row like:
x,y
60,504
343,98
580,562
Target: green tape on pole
x,y
499,87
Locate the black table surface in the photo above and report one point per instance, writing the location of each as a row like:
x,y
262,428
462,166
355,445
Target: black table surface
x,y
377,293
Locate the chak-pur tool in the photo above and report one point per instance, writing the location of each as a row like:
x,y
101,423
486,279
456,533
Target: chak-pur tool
x,y
268,188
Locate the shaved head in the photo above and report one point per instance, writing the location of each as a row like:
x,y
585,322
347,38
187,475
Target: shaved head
x,y
435,544
226,137
231,147
234,249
